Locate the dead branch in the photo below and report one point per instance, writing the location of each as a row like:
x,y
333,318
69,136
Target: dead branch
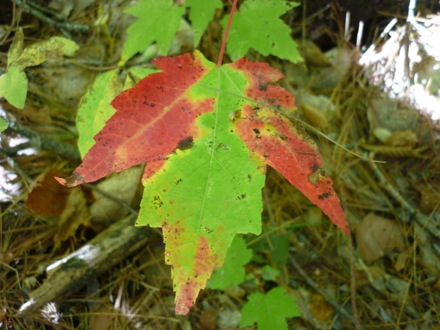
x,y
69,274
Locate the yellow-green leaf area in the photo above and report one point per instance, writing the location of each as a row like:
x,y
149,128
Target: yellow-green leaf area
x,y
44,50
95,108
13,86
16,47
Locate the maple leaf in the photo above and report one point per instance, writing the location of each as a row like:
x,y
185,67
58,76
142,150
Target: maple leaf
x,y
201,14
269,311
232,272
157,21
273,37
206,134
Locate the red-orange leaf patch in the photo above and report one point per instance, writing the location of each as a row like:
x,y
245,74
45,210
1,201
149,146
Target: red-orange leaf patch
x,y
150,121
279,143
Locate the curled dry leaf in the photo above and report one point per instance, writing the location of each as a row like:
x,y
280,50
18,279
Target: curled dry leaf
x,y
45,190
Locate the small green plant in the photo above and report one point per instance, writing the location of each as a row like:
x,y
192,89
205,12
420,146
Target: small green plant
x,y
3,125
13,84
268,310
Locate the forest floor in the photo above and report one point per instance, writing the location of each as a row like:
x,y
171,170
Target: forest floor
x,y
389,187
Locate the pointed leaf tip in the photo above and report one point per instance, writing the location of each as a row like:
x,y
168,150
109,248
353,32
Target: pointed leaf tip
x,y
72,181
280,143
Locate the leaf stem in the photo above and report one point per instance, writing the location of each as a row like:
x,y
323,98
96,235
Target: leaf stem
x,y
225,36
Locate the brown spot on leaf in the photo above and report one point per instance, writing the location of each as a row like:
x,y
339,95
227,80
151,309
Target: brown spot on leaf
x,y
157,202
186,143
324,195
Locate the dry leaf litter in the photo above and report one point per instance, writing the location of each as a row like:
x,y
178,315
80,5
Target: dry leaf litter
x,y
381,105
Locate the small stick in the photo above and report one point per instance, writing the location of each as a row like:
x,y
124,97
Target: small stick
x,y
357,322
63,26
225,36
46,142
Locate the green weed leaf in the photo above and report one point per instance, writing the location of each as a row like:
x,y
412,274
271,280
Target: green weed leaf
x,y
3,125
44,50
16,47
257,26
269,273
232,272
157,21
201,14
269,311
13,86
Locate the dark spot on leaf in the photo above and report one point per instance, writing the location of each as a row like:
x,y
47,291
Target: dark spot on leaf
x,y
324,196
249,177
157,202
223,146
185,143
270,100
256,131
179,181
240,197
262,87
152,105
